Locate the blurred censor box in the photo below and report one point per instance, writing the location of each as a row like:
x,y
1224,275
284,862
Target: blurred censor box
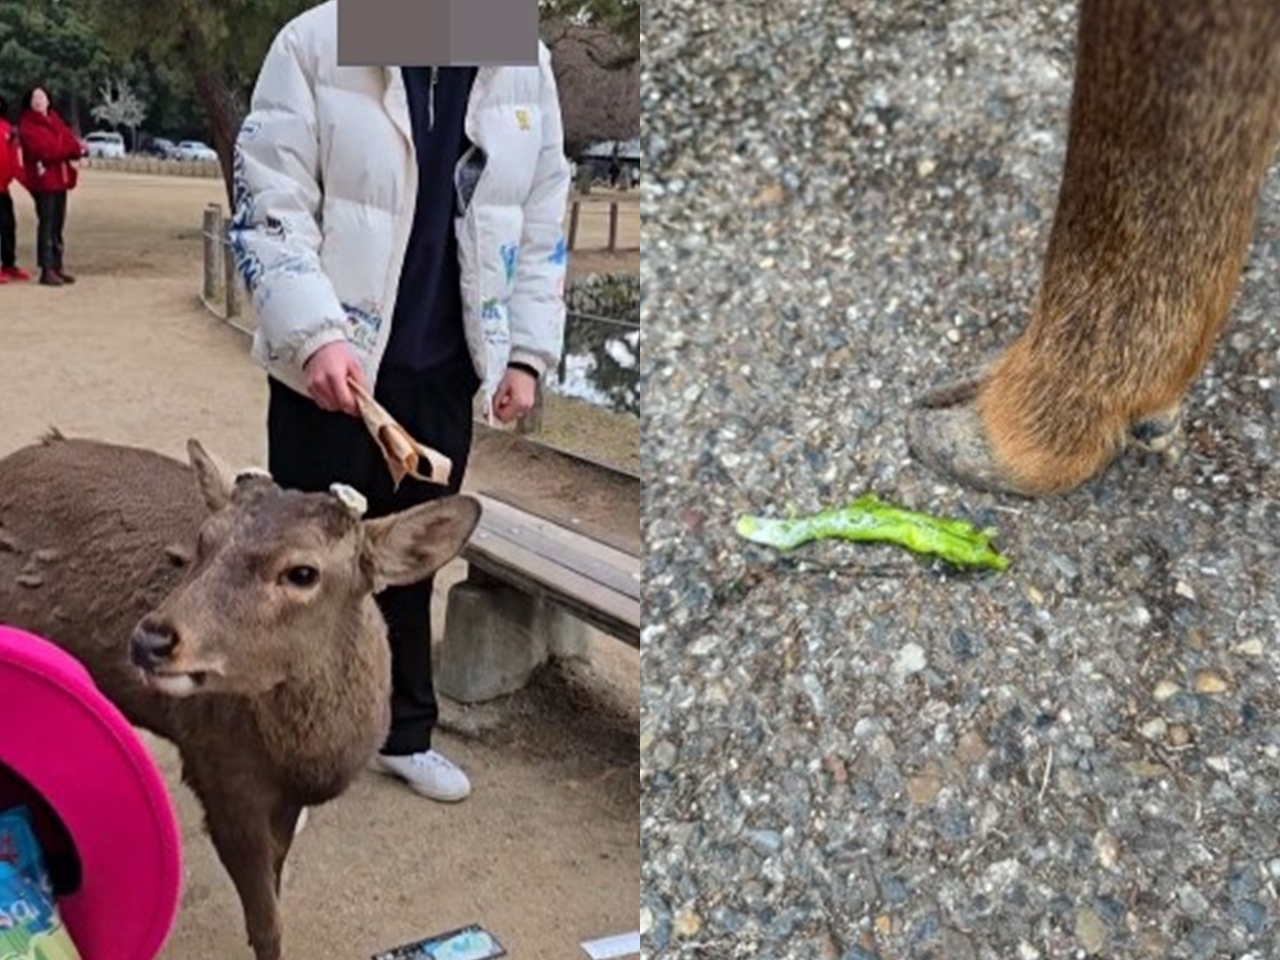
x,y
437,33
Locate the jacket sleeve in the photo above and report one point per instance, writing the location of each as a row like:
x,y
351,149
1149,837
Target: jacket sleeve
x,y
275,232
536,309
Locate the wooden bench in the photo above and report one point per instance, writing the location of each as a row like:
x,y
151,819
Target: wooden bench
x,y
531,584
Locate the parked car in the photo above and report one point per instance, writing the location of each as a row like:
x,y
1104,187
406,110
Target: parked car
x,y
103,143
195,150
160,147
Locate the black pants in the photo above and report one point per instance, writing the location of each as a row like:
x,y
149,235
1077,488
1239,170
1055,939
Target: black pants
x,y
310,448
51,214
8,231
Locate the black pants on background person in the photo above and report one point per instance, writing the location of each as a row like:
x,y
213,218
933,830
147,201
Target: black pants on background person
x,y
310,448
8,231
51,216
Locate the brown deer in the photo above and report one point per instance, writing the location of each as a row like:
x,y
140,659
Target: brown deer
x,y
1174,117
227,615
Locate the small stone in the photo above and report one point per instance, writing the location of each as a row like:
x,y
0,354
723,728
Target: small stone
x,y
971,748
1250,648
911,659
1027,951
47,555
1104,842
1154,729
836,767
31,580
1179,735
1165,689
1192,900
1183,589
926,166
1210,683
665,755
646,921
8,542
954,335
687,924
770,196
922,790
884,925
768,263
844,43
1034,595
1091,931
765,842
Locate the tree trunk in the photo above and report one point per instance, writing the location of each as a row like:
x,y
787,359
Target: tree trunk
x,y
215,94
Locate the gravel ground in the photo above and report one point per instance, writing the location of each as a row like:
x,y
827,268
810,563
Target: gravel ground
x,y
852,753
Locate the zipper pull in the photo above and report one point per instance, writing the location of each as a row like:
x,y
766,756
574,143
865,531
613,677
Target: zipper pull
x,y
431,100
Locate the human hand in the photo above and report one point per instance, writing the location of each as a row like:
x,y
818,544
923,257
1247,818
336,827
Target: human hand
x,y
515,395
327,372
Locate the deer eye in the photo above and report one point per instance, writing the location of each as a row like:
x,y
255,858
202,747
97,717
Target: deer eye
x,y
302,576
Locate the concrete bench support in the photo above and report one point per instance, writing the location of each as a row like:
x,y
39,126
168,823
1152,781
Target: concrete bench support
x,y
496,636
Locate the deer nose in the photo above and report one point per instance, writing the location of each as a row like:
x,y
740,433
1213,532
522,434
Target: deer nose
x,y
152,644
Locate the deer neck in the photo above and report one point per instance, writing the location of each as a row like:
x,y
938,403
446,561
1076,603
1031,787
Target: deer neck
x,y
322,725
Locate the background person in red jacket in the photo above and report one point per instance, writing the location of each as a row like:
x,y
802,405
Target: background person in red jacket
x,y
10,170
48,149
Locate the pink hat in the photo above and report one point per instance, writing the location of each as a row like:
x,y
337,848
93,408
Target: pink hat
x,y
60,735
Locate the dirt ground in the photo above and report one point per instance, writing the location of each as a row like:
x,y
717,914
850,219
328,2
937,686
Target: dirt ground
x,y
546,852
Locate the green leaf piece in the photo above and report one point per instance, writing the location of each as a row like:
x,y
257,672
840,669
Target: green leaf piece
x,y
870,519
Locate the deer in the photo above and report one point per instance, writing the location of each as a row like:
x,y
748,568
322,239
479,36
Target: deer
x,y
1175,111
227,615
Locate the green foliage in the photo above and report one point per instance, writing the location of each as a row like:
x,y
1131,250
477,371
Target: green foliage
x,y
51,45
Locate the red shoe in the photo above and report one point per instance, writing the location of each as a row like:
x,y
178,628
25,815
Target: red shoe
x,y
14,273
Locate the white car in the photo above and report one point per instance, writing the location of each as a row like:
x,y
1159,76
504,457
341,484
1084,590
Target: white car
x,y
102,143
195,150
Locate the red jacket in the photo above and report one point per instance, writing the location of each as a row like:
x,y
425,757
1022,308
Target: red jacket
x,y
48,147
10,157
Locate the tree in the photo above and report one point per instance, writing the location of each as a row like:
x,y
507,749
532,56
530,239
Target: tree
x,y
122,107
598,102
53,46
217,45
614,42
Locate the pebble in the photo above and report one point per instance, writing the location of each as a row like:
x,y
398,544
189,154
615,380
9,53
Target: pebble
x,y
1210,683
1154,729
1250,648
765,842
911,659
1165,689
1108,849
1091,931
687,924
665,755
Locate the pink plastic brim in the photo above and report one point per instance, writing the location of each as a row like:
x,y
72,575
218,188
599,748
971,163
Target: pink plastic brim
x,y
71,744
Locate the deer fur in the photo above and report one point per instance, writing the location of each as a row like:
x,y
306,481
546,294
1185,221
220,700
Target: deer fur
x,y
172,585
1174,117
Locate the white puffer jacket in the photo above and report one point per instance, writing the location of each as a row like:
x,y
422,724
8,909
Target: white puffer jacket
x,y
325,186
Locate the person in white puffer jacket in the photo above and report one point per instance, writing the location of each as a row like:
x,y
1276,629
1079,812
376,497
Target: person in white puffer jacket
x,y
401,227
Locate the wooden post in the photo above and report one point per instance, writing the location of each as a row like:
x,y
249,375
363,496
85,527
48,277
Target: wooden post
x,y
613,225
573,225
212,249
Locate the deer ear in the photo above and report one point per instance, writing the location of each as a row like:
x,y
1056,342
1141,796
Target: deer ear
x,y
410,546
214,478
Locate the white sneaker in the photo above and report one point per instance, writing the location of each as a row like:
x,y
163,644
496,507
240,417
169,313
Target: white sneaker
x,y
430,774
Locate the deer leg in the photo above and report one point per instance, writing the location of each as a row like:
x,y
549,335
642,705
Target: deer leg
x,y
1174,117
